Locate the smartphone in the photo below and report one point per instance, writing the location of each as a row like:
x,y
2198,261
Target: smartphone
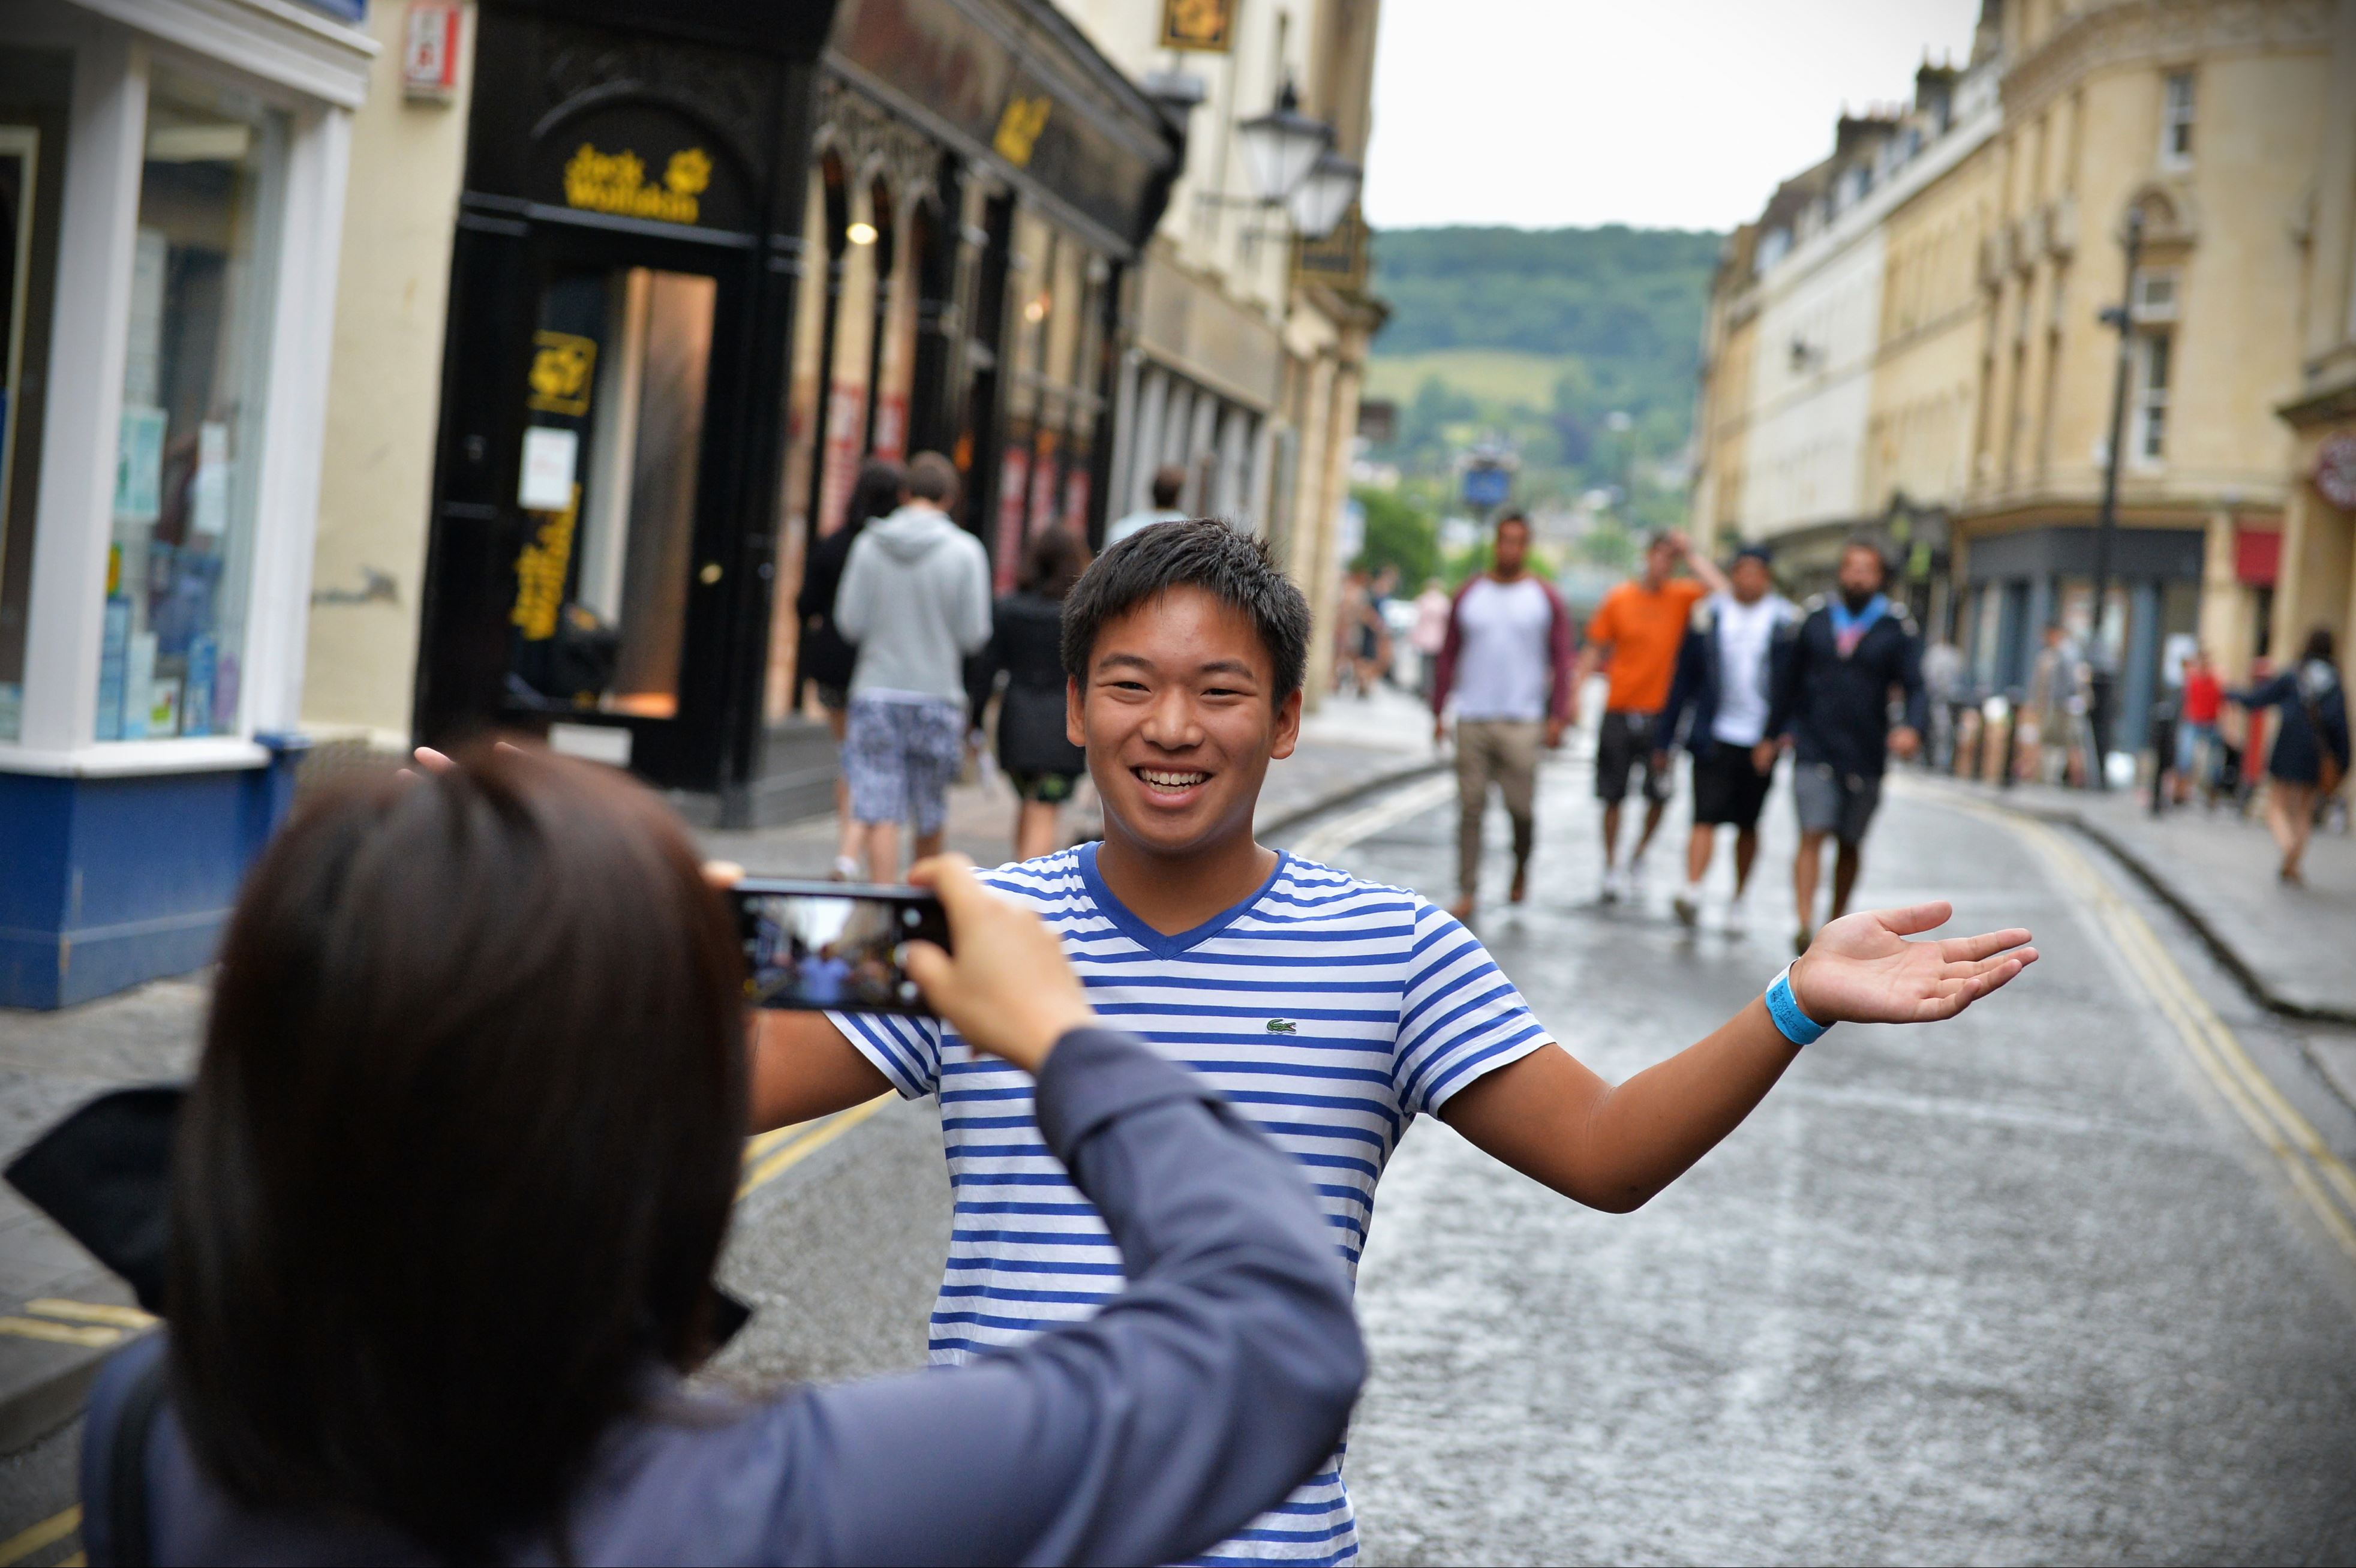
x,y
836,946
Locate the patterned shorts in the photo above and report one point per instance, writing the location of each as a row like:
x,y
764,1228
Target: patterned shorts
x,y
900,756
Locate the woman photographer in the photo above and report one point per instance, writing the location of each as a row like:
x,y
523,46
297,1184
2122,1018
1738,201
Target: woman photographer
x,y
459,1161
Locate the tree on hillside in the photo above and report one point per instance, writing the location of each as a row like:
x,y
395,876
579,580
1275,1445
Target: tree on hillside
x,y
1397,534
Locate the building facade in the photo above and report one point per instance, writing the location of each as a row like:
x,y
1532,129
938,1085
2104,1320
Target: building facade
x,y
1980,443
2315,581
1249,344
172,182
2204,119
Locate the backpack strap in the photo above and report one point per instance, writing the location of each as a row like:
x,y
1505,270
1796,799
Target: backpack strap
x,y
126,1492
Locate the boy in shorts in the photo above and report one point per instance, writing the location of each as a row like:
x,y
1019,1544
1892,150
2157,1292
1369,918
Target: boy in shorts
x,y
1328,1011
1717,710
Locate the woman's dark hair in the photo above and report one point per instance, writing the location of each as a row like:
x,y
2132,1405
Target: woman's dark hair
x,y
462,1149
1054,561
876,492
2319,645
1202,553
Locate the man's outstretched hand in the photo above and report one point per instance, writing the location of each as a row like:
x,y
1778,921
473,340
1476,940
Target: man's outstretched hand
x,y
1861,969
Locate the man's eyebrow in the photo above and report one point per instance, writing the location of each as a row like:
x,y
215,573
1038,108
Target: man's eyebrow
x,y
1209,667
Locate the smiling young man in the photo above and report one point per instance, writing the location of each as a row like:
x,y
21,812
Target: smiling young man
x,y
1329,1011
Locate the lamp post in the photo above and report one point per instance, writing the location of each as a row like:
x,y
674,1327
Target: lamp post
x,y
2120,317
1293,167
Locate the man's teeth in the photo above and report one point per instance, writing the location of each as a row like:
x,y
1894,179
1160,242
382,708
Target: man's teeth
x,y
1172,780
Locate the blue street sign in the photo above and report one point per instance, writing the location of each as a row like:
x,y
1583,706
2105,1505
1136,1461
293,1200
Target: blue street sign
x,y
1487,486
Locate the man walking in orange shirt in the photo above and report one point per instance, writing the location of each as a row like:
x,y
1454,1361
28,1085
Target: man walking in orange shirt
x,y
1634,634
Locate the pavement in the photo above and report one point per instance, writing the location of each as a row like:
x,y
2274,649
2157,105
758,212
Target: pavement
x,y
61,1314
2289,944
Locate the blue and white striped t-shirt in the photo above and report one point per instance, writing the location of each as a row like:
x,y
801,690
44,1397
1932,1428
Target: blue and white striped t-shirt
x,y
1330,1011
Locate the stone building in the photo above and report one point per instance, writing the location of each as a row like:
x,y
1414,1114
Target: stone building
x,y
1931,359
2316,585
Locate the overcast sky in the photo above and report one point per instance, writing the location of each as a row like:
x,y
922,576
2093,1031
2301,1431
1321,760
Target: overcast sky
x,y
1656,113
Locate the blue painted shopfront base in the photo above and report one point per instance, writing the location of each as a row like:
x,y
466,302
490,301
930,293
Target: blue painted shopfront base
x,y
105,883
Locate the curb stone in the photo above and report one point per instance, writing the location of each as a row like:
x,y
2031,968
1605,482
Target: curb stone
x,y
2186,910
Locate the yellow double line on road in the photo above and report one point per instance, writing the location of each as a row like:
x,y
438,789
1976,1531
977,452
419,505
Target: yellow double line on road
x,y
771,1155
2319,1176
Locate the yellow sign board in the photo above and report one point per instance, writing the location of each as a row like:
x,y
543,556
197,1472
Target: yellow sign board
x,y
1206,26
561,363
1019,127
617,183
540,571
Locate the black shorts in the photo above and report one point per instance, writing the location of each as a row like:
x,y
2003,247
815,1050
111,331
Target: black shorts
x,y
1625,746
1728,790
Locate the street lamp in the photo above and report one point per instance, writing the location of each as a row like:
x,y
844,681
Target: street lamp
x,y
2122,318
1282,146
1323,195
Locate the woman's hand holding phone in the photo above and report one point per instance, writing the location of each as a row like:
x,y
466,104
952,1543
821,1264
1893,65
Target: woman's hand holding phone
x,y
1008,988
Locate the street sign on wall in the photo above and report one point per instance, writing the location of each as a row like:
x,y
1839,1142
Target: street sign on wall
x,y
1485,485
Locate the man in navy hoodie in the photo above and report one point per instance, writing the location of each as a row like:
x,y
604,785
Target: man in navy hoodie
x,y
1854,653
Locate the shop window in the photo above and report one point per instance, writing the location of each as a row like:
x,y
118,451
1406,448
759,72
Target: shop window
x,y
2176,121
26,208
2153,352
188,459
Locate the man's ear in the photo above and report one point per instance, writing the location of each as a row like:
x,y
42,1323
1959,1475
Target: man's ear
x,y
1287,728
1076,728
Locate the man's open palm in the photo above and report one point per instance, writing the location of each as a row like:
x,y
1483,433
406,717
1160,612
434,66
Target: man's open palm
x,y
1861,969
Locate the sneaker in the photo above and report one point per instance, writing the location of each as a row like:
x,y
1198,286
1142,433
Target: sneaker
x,y
1687,905
845,869
1735,919
1611,892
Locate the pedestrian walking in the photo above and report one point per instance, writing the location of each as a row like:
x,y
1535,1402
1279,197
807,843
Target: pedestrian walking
x,y
1330,1010
1433,609
479,1354
1851,656
1717,710
916,601
1505,659
1169,484
2310,752
1363,650
2057,744
1026,648
825,660
2195,727
1634,634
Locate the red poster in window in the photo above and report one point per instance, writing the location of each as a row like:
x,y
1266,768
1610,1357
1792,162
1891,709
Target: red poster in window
x,y
891,427
1012,471
846,411
1076,502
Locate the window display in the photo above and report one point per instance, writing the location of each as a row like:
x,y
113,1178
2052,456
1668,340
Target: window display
x,y
180,566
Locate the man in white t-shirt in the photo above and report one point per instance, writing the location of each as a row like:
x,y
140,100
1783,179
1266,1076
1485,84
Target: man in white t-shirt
x,y
1506,660
1720,695
1169,482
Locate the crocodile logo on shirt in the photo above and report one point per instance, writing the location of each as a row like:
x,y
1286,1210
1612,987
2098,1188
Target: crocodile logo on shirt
x,y
1282,1026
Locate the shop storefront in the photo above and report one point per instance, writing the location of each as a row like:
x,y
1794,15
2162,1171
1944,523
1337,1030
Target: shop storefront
x,y
708,263
2018,582
172,181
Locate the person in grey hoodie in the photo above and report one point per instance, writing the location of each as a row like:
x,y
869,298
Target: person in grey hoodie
x,y
914,601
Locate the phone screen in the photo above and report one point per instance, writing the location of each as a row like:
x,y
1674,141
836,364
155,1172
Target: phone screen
x,y
827,946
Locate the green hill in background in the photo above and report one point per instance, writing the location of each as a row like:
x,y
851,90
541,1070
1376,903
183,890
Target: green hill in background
x,y
1539,335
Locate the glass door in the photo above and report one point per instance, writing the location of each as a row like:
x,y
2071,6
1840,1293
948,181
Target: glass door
x,y
611,485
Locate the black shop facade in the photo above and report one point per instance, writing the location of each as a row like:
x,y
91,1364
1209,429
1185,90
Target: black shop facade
x,y
709,259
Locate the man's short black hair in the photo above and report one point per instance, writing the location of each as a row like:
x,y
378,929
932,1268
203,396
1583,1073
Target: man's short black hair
x,y
1519,518
1202,552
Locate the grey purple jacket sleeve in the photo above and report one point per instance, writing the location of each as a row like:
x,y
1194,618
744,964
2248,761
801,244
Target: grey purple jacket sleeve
x,y
1212,1386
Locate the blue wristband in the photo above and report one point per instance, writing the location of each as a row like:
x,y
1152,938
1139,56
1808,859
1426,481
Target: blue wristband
x,y
1784,1008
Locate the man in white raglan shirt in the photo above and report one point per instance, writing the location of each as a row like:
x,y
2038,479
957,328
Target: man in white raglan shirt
x,y
1720,697
1507,663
